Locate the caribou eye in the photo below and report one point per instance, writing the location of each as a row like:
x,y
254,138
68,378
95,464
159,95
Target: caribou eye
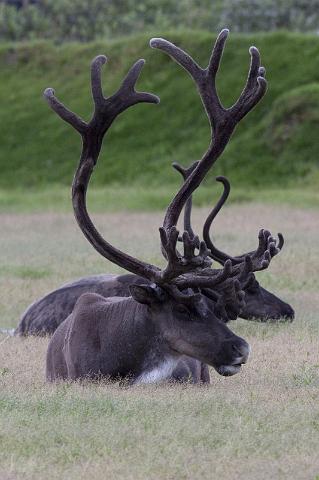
x,y
182,310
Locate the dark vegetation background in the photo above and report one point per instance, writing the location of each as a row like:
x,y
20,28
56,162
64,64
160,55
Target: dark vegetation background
x,y
86,20
51,43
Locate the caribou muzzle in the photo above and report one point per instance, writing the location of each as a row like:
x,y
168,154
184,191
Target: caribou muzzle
x,y
264,306
236,353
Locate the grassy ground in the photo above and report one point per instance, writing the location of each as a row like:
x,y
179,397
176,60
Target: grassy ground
x,y
38,149
147,198
262,423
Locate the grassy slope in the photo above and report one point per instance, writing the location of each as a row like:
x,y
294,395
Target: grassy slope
x,y
277,143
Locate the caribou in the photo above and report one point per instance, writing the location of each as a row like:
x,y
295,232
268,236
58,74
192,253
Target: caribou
x,y
146,336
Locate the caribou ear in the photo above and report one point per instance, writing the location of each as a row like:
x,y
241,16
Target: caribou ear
x,y
146,294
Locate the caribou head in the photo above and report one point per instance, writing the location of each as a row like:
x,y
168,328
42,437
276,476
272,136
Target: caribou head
x,y
144,335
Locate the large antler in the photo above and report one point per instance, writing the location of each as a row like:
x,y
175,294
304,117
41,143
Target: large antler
x,y
92,133
222,120
266,242
260,258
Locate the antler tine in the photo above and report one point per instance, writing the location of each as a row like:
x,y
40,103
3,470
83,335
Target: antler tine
x,y
173,257
217,254
176,263
198,73
180,296
96,82
205,278
258,259
229,299
189,243
63,112
217,53
254,89
129,83
126,96
185,172
106,109
244,272
179,55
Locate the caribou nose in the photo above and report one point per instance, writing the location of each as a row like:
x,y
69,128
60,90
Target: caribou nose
x,y
289,313
241,349
235,352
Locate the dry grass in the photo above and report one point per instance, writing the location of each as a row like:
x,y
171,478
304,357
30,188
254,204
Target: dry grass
x,y
260,424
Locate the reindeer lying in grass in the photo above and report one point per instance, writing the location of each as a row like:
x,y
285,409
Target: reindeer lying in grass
x,y
181,310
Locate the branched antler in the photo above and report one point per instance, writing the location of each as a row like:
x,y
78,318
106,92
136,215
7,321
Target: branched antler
x,y
268,246
222,120
229,299
92,133
205,277
178,264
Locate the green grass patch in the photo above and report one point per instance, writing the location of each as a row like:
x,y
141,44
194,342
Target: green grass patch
x,y
143,198
276,145
24,272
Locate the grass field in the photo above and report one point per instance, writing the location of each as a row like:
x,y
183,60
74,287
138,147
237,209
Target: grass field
x,y
114,198
260,424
